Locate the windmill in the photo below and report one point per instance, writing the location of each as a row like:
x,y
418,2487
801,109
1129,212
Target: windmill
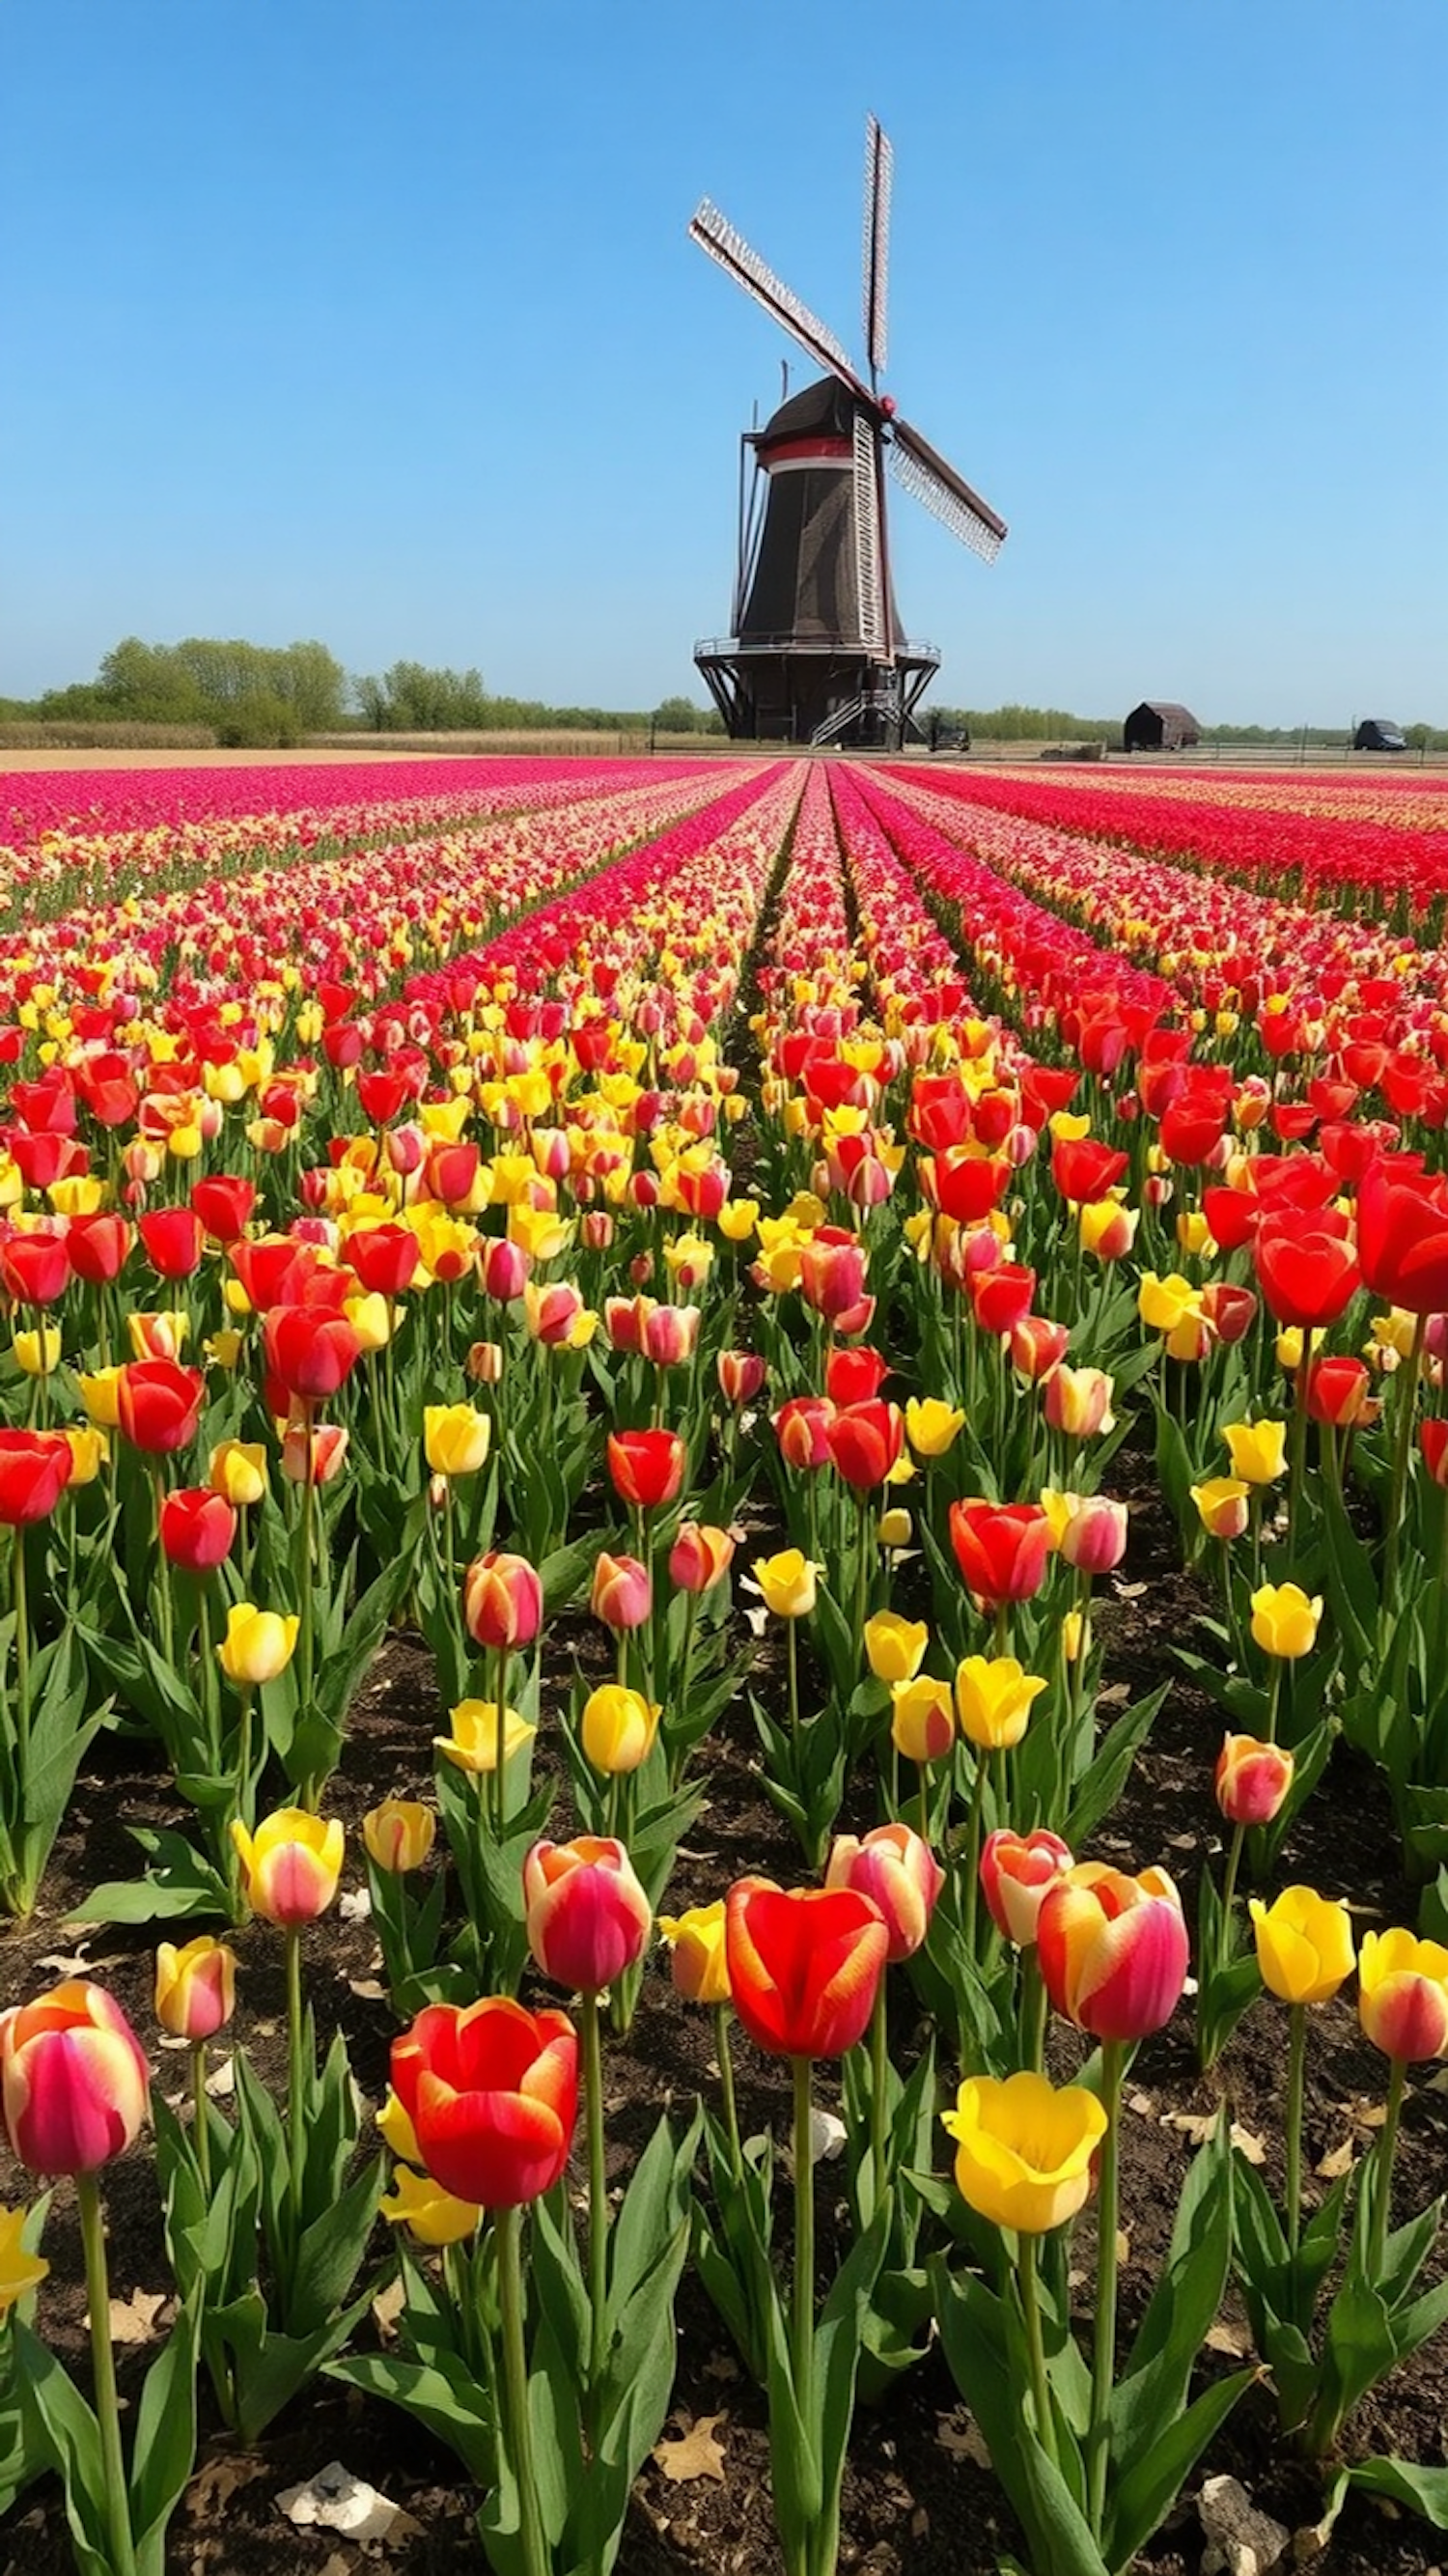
x,y
818,652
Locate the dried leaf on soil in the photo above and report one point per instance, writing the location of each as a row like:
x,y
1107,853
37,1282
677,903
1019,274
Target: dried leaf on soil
x,y
695,2454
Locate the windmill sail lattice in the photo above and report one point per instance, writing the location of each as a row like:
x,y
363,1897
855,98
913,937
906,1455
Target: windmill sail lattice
x,y
819,652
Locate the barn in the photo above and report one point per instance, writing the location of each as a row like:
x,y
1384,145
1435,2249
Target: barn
x,y
1157,725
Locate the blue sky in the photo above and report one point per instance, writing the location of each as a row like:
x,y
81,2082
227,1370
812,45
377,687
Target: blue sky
x,y
375,323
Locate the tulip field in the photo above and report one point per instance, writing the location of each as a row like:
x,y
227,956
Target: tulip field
x,y
723,1670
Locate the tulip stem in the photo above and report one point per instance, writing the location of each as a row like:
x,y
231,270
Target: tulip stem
x,y
597,2198
163,1571
304,1640
507,2232
1297,1465
199,2121
1035,2346
726,2088
803,2353
98,2297
1383,2180
1229,1893
972,1848
22,1665
1274,1695
1402,1451
1103,2358
296,2079
793,1661
1034,2003
1296,2062
879,2081
500,1767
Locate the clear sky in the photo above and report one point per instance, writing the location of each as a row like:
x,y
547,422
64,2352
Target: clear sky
x,y
376,321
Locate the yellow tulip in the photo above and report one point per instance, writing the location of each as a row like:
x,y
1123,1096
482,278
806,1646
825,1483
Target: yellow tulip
x,y
699,1966
258,1645
1024,2149
290,1865
786,1583
1166,1304
19,2271
1304,1945
931,1425
895,1646
38,1353
894,1531
618,1728
434,2216
993,1698
399,1834
455,1439
922,1722
237,1469
89,1450
1284,1620
1258,1450
473,1743
1222,1505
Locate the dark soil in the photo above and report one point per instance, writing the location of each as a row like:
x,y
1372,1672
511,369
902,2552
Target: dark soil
x,y
914,2496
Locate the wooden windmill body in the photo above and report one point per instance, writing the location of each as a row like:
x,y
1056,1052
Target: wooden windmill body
x,y
817,651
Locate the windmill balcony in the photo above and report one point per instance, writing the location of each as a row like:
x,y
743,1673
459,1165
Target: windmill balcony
x,y
735,647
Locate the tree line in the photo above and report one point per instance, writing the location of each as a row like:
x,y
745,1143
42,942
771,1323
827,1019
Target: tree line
x,y
260,695
263,695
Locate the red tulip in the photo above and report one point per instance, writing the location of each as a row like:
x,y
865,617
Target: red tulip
x,y
1252,1779
224,1202
173,1238
310,1352
97,1247
197,1528
587,1916
832,1275
34,1268
853,1377
385,1258
622,1595
158,1404
864,1442
1339,1389
741,1376
801,1426
1001,1297
502,1601
74,2079
1084,1169
647,1467
1001,1549
899,1872
1113,1950
34,1472
700,1557
804,1964
1016,1873
1308,1273
1403,1239
492,2094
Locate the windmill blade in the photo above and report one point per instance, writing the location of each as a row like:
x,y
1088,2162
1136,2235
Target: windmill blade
x,y
869,551
716,235
919,469
879,175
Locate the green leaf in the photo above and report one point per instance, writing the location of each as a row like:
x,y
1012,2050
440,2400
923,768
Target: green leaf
x,y
65,2429
441,2394
1424,2491
1140,2500
164,2446
1106,1775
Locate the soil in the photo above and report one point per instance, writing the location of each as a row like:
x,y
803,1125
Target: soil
x,y
914,2496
